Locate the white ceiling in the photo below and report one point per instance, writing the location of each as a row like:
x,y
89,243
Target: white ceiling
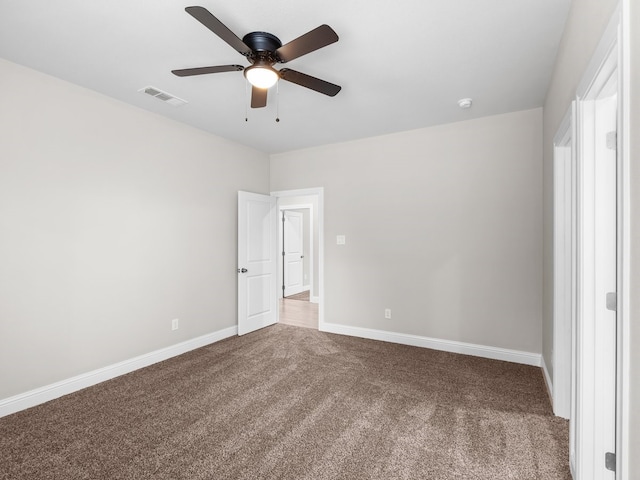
x,y
401,64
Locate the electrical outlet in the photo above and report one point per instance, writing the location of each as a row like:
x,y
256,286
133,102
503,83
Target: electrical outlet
x,y
175,324
387,313
341,240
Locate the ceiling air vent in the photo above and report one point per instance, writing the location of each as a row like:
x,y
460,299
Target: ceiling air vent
x,y
164,96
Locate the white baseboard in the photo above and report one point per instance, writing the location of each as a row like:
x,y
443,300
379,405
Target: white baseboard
x,y
55,390
49,392
494,353
314,299
547,379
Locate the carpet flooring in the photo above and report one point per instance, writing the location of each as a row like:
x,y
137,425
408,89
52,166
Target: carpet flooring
x,y
294,403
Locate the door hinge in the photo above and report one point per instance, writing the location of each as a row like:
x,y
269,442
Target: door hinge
x,y
610,461
612,301
612,140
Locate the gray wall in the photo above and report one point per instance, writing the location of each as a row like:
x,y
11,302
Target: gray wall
x,y
585,25
113,221
443,225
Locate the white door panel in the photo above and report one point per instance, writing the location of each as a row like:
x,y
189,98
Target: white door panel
x,y
257,261
293,235
258,301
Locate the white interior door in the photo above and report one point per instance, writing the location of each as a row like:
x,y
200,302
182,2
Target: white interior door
x,y
293,252
257,261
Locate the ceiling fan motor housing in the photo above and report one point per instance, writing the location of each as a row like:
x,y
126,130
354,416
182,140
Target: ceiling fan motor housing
x,y
263,46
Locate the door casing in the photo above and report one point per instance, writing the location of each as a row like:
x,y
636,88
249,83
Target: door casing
x,y
597,420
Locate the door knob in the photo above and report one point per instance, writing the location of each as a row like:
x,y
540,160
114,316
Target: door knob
x,y
301,256
242,270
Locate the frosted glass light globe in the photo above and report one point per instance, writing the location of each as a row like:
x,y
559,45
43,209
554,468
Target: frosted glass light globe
x,y
261,77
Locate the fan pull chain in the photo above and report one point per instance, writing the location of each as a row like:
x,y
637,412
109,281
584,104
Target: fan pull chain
x,y
278,101
246,100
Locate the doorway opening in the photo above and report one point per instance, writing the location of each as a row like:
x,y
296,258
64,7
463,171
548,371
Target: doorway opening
x,y
301,257
297,306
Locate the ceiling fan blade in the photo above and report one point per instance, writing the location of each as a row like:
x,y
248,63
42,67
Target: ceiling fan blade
x,y
308,81
220,29
187,72
307,43
258,97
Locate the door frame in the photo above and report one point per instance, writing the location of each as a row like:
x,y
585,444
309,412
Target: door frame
x,y
624,245
564,265
597,275
304,206
612,53
319,193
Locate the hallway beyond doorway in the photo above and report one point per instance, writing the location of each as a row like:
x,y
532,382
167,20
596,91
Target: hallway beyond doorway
x,y
299,313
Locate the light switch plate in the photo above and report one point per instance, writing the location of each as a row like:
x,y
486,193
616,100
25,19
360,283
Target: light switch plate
x,y
341,240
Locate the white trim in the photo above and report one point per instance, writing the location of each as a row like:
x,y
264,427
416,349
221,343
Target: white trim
x,y
301,206
319,191
494,353
314,299
594,429
563,261
574,292
547,377
564,130
55,390
601,55
623,425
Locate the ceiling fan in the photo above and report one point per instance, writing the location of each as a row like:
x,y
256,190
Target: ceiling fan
x,y
263,50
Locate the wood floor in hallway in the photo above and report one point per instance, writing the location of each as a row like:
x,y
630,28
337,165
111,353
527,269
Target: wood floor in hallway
x,y
299,313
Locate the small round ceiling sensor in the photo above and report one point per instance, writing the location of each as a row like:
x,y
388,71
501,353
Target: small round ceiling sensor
x,y
465,103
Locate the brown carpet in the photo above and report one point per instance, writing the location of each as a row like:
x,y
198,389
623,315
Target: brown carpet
x,y
294,403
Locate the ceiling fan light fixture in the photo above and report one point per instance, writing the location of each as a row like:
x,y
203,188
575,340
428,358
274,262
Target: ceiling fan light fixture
x,y
261,76
263,50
